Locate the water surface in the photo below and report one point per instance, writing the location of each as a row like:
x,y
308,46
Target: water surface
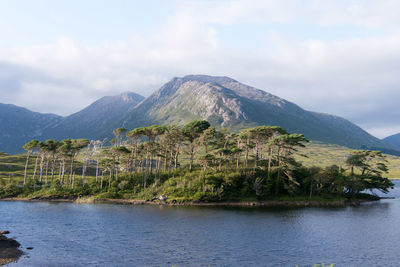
x,y
66,234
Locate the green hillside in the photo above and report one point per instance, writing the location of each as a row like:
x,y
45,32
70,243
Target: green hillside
x,y
320,154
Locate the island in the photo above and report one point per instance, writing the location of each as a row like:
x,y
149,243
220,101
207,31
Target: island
x,y
196,164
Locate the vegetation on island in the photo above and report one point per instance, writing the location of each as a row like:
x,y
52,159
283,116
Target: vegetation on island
x,y
196,162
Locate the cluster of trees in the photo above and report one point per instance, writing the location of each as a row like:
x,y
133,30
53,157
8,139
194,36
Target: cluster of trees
x,y
262,157
51,152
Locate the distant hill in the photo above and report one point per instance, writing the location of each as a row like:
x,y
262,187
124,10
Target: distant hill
x,y
393,139
96,120
19,125
223,101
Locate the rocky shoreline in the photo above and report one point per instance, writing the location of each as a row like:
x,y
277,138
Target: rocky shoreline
x,y
9,249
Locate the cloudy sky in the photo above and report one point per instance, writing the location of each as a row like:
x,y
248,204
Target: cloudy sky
x,y
338,57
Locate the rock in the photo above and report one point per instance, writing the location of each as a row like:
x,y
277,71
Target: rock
x,y
163,198
9,251
4,232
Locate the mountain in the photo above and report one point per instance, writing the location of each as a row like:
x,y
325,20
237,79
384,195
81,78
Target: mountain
x,y
19,125
225,102
393,139
94,121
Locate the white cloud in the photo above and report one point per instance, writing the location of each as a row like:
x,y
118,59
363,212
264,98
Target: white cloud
x,y
355,77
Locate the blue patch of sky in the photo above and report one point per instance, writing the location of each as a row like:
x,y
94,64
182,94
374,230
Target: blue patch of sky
x,y
27,22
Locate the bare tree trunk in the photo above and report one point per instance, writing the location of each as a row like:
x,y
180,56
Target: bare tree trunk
x,y
191,156
165,160
256,156
59,172
71,168
176,161
26,166
151,165
109,179
135,162
34,171
41,167
84,173
170,164
269,161
278,179
97,169
63,171
102,178
47,169
246,156
53,163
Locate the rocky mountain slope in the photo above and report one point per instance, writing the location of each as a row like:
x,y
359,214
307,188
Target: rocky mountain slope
x,y
228,103
223,101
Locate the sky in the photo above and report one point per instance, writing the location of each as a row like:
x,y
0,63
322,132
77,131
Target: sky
x,y
333,56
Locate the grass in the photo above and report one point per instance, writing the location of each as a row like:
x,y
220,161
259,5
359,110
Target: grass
x,y
322,155
316,154
182,188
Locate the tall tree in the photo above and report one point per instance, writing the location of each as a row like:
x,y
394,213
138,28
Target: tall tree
x,y
29,147
52,146
366,170
192,131
118,134
286,145
37,147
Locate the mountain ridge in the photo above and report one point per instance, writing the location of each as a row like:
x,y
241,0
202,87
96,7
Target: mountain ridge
x,y
393,139
226,102
223,101
100,114
12,135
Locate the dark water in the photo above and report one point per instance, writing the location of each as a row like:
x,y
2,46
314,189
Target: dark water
x,y
65,234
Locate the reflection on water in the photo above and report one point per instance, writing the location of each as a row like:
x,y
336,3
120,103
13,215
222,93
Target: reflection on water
x,y
65,234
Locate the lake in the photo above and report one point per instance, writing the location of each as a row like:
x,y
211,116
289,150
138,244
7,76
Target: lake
x,y
66,234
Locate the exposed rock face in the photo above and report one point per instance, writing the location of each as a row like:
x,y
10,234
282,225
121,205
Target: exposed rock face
x,y
223,101
9,251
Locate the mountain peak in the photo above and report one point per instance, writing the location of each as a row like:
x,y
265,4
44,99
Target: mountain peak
x,y
223,101
130,97
208,79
